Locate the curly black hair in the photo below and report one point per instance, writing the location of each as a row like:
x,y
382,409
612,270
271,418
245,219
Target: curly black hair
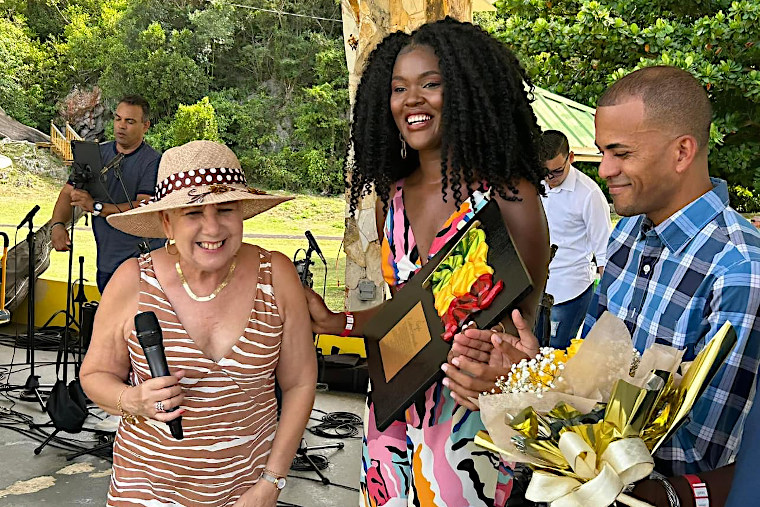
x,y
490,132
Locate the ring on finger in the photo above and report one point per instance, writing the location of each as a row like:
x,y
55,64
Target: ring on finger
x,y
160,406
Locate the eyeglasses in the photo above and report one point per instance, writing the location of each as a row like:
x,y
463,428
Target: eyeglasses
x,y
558,172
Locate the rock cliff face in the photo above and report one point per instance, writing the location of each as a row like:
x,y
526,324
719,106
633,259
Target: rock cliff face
x,y
85,113
17,131
365,24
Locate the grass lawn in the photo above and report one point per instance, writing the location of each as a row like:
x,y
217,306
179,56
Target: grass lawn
x,y
322,215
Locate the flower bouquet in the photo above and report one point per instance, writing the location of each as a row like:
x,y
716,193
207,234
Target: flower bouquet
x,y
587,420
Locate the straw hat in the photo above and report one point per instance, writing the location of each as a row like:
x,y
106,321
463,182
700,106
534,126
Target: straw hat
x,y
196,173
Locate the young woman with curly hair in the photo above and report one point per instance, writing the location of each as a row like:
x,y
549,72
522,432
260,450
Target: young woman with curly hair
x,y
442,123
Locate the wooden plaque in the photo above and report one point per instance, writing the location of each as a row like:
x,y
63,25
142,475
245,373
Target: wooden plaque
x,y
405,358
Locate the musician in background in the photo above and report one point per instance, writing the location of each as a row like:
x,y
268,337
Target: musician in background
x,y
104,195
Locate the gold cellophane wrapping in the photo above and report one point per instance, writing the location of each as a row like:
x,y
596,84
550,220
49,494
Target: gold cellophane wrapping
x,y
589,464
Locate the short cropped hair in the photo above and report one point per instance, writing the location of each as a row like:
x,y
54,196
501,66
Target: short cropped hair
x,y
553,144
137,100
672,98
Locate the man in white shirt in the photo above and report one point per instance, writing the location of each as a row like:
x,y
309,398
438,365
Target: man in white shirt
x,y
579,225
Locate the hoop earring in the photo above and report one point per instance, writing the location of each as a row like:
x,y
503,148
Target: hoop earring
x,y
169,242
403,145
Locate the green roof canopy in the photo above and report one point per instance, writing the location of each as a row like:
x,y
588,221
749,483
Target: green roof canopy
x,y
575,120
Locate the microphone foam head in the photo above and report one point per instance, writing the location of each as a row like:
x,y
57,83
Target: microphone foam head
x,y
148,329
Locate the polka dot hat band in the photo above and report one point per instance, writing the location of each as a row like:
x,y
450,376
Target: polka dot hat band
x,y
196,173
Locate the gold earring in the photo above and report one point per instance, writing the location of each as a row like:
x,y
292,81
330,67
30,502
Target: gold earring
x,y
403,145
169,242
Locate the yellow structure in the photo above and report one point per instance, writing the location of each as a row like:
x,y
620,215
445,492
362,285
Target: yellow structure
x,y
60,143
51,298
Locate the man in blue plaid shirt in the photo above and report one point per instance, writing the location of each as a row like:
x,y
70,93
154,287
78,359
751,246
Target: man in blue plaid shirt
x,y
682,262
680,265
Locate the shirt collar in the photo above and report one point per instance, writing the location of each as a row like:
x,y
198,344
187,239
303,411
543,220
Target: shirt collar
x,y
116,152
568,184
683,225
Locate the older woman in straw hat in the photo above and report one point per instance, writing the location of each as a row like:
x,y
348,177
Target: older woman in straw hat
x,y
232,316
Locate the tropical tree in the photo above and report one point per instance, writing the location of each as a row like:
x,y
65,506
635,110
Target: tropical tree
x,y
577,48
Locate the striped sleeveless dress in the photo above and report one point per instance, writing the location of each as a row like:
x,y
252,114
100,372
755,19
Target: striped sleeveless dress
x,y
430,459
231,412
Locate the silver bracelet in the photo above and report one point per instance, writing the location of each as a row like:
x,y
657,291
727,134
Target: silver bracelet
x,y
669,489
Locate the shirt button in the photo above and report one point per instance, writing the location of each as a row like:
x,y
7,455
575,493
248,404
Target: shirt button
x,y
646,269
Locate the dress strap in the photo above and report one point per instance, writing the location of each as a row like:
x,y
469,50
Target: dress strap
x,y
265,266
151,291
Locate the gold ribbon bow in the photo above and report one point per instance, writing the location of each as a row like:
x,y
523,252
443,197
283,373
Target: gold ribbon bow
x,y
623,462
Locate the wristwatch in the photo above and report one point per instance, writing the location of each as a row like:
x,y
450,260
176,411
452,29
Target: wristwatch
x,y
97,208
279,482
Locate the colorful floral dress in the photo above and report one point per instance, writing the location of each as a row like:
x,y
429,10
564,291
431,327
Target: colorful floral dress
x,y
430,459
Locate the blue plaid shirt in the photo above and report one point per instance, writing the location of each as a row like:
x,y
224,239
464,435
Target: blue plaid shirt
x,y
676,284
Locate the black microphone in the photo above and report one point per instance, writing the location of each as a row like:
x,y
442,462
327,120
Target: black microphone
x,y
29,216
113,163
314,246
152,343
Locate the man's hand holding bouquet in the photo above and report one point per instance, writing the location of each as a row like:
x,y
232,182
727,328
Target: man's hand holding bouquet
x,y
587,420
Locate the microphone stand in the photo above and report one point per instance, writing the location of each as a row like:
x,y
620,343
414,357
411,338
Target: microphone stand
x,y
80,299
303,451
31,390
307,279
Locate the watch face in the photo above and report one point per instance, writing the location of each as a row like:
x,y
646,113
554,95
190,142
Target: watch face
x,y
98,206
281,483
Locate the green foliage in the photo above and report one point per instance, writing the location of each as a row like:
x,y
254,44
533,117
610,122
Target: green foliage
x,y
23,69
159,135
321,133
158,64
271,87
276,85
577,48
270,170
194,122
743,200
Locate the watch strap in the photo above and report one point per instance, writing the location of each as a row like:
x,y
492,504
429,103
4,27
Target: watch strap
x,y
278,480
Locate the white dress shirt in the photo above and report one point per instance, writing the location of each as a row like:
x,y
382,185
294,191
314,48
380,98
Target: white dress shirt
x,y
580,225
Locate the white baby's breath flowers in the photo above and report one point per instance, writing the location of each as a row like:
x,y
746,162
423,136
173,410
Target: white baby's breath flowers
x,y
536,375
543,372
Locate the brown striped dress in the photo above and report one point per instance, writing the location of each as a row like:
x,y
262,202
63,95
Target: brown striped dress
x,y
231,412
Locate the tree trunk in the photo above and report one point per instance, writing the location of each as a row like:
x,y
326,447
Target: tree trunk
x,y
365,24
17,131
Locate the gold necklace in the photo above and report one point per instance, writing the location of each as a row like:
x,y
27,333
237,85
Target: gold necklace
x,y
203,299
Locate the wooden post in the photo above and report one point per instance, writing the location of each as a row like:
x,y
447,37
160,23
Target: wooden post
x,y
365,24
